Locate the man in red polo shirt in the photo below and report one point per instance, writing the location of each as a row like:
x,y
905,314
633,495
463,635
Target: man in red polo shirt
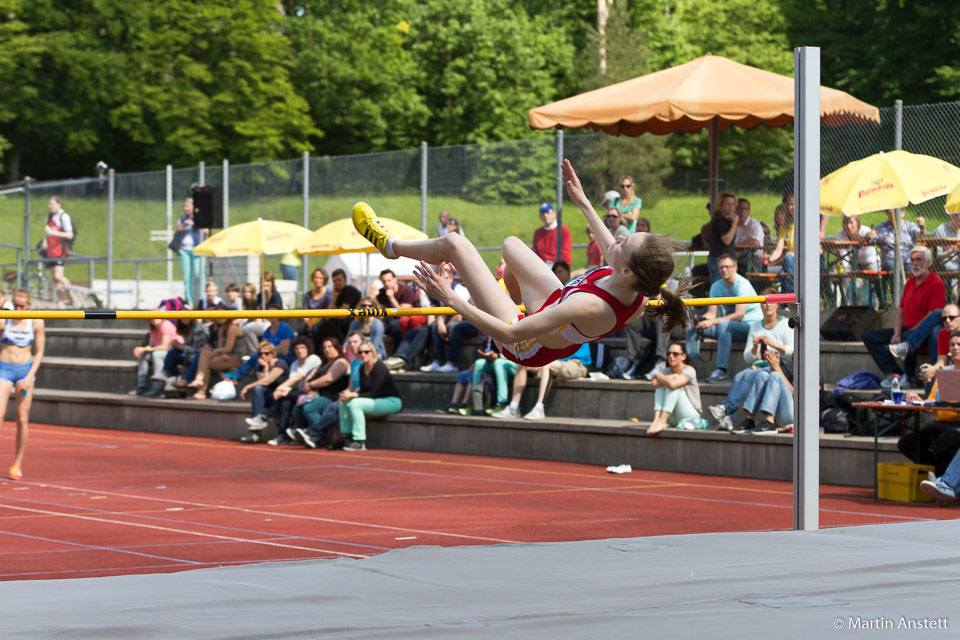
x,y
917,322
545,238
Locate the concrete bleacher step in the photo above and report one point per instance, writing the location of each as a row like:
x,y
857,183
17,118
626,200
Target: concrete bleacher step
x,y
843,460
109,343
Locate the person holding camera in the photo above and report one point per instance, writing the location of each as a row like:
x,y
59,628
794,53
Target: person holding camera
x,y
761,388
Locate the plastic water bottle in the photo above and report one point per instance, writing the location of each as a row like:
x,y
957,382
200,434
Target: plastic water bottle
x,y
895,393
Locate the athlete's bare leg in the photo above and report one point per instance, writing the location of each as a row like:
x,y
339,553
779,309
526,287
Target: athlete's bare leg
x,y
23,422
534,278
476,275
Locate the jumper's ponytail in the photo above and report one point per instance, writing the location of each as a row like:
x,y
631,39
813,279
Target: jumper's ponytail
x,y
672,309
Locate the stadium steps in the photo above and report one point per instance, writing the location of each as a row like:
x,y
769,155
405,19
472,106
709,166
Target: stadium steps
x,y
844,460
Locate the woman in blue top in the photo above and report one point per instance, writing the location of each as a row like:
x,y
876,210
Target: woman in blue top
x,y
18,370
184,241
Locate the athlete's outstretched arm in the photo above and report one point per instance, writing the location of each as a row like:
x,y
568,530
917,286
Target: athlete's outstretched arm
x,y
579,198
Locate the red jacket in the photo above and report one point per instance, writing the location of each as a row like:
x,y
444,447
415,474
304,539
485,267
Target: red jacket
x,y
918,301
545,244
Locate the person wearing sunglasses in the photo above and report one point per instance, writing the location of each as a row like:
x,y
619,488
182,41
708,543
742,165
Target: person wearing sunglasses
x,y
950,317
376,396
272,371
628,203
676,401
21,350
370,328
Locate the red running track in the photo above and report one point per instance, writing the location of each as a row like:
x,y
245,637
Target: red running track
x,y
102,502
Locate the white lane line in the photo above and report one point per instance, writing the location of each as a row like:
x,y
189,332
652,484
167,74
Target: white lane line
x,y
277,514
182,531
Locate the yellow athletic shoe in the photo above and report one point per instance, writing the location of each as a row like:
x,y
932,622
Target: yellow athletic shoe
x,y
14,473
366,223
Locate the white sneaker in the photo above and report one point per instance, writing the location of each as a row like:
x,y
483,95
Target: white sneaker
x,y
535,414
620,468
447,368
718,411
430,368
942,493
900,350
256,423
506,412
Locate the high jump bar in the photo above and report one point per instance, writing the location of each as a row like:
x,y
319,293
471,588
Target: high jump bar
x,y
121,314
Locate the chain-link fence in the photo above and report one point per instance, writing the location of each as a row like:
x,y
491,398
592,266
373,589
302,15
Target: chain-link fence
x,y
493,189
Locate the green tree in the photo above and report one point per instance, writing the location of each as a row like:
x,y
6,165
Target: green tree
x,y
143,84
18,51
355,69
646,157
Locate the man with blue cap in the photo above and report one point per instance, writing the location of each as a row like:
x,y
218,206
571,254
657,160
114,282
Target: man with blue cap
x,y
545,238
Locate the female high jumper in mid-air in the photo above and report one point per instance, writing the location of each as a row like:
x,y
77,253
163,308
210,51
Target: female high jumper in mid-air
x,y
586,309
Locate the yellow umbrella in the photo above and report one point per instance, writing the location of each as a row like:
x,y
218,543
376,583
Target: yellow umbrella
x,y
886,181
340,237
264,237
953,201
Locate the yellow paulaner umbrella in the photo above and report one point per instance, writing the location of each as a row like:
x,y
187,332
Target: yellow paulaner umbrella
x,y
886,181
953,201
340,237
264,237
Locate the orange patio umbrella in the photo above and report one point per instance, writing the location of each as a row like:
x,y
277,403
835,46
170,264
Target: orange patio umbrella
x,y
710,92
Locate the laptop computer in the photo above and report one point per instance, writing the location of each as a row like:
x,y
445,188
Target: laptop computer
x,y
948,384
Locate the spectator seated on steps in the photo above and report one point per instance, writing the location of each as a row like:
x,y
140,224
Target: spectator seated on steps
x,y
447,332
224,354
376,396
572,367
750,388
272,371
677,397
939,439
917,322
950,317
370,328
150,356
726,323
280,335
193,337
291,390
491,361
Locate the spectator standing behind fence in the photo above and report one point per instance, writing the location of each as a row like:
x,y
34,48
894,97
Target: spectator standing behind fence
x,y
851,230
677,396
369,327
395,295
947,256
187,237
545,238
628,204
883,237
56,244
719,232
150,357
783,252
443,224
377,396
733,325
916,322
749,232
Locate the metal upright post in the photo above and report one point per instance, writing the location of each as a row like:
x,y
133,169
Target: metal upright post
x,y
226,193
306,217
169,226
423,186
559,146
203,171
26,230
806,170
110,185
898,275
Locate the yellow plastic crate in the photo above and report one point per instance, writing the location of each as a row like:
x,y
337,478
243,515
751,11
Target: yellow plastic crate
x,y
900,481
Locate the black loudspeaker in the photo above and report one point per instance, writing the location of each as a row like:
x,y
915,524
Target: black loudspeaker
x,y
847,324
207,207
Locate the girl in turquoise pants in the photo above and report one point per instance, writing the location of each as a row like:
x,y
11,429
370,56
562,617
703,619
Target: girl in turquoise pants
x,y
377,395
